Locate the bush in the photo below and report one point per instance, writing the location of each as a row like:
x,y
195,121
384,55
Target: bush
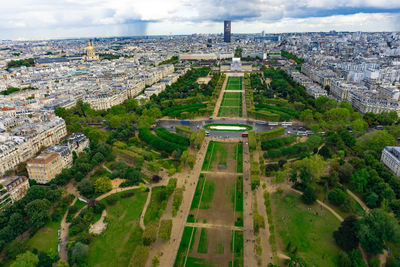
x,y
158,143
139,257
171,137
165,229
337,196
271,134
150,233
277,142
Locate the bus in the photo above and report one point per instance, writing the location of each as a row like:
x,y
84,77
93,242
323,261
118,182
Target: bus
x,y
273,123
245,134
287,123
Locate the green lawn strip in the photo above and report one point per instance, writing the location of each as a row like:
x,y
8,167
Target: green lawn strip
x,y
229,112
184,245
232,95
237,248
248,127
208,195
46,238
157,205
232,102
209,155
308,230
115,246
197,193
203,242
221,152
239,157
239,194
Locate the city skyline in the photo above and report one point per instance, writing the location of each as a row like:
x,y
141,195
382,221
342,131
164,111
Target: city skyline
x,y
25,19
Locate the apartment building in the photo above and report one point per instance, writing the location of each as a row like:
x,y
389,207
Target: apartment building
x,y
391,158
44,167
12,189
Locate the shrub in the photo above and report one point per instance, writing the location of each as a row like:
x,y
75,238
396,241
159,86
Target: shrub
x,y
337,196
158,143
171,137
139,257
165,229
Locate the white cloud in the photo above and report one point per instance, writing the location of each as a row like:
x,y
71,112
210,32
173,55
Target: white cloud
x,y
187,16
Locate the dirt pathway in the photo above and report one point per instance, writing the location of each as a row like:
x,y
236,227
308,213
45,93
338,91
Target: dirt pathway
x,y
64,229
169,251
250,258
145,209
359,201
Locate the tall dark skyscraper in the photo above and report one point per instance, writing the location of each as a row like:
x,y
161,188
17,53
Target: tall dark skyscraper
x,y
227,31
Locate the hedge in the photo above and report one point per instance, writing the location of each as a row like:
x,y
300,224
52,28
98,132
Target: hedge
x,y
271,134
158,143
263,115
184,130
171,137
312,142
277,142
288,111
176,110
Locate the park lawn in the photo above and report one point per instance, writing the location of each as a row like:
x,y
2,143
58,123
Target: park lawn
x,y
198,192
80,204
156,207
232,95
237,248
234,83
46,238
231,102
215,151
208,194
203,242
311,233
319,190
230,112
239,157
115,246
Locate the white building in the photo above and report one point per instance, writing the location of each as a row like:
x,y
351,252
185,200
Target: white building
x,y
391,158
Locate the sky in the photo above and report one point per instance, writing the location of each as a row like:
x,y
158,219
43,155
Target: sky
x,y
45,19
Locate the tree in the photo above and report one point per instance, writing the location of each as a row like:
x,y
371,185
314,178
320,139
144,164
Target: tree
x,y
15,248
309,196
102,185
27,259
79,252
150,233
325,151
359,126
346,235
375,141
337,196
86,187
131,104
375,229
324,103
38,212
359,180
18,223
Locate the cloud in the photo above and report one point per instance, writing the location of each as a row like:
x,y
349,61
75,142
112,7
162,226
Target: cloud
x,y
23,17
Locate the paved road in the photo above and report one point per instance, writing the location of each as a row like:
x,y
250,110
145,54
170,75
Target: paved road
x,y
199,124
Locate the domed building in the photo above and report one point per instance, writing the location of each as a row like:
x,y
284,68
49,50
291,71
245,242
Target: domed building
x,y
90,53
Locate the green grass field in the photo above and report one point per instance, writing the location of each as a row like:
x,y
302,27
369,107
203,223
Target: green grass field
x,y
203,242
231,105
115,246
237,248
46,238
308,230
234,83
215,151
208,194
197,193
239,157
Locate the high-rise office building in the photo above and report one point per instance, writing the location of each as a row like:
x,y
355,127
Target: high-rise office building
x,y
227,31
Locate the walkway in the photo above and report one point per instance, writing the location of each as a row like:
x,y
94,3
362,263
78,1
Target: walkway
x,y
250,258
359,201
145,209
